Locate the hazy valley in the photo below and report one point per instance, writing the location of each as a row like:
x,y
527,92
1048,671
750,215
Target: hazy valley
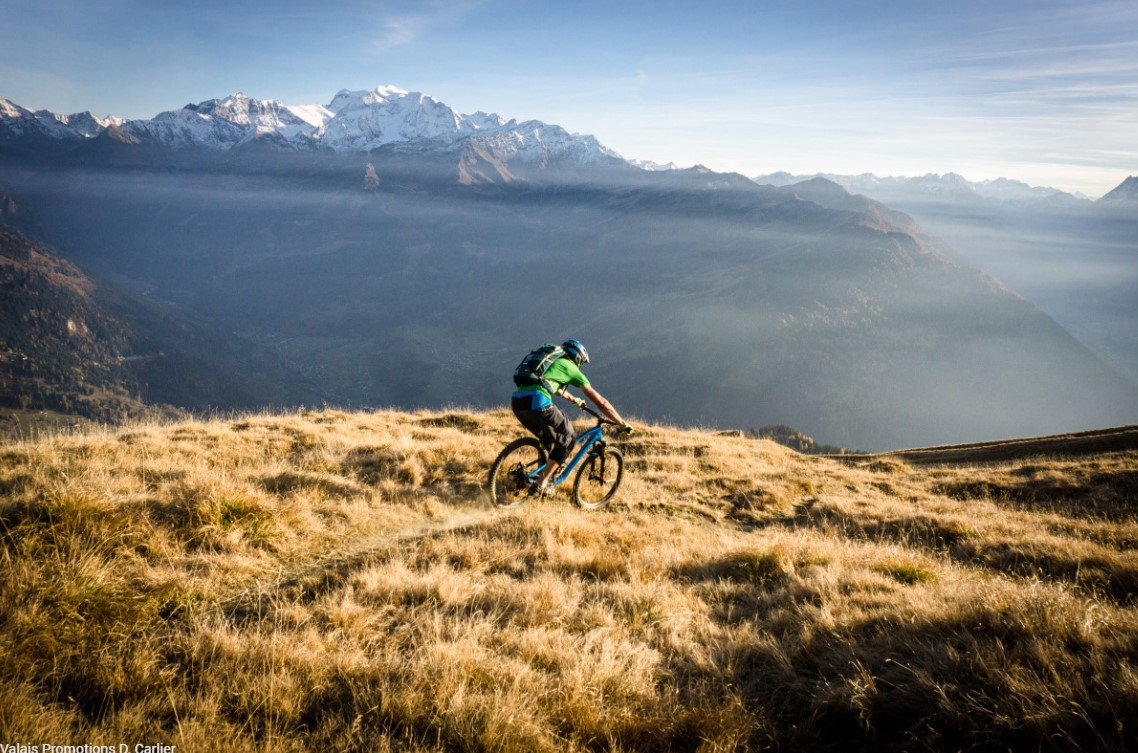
x,y
416,273
1075,258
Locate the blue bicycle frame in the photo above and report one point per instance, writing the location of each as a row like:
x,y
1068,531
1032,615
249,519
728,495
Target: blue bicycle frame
x,y
586,439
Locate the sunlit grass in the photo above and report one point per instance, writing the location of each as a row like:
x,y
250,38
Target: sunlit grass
x,y
338,581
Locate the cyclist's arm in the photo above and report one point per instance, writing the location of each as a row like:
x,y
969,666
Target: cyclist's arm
x,y
604,405
564,392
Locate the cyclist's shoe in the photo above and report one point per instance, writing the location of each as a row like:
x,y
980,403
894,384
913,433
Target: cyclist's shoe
x,y
540,490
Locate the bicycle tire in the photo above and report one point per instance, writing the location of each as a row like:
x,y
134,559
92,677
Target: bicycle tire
x,y
507,473
590,490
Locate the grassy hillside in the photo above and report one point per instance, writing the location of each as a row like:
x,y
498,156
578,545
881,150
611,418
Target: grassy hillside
x,y
335,581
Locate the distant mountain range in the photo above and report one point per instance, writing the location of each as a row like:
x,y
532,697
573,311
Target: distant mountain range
x,y
385,250
953,186
1075,258
354,121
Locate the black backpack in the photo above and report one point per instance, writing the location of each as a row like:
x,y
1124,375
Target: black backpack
x,y
531,371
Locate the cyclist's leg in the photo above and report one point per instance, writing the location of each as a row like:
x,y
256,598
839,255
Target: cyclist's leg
x,y
561,434
554,432
533,421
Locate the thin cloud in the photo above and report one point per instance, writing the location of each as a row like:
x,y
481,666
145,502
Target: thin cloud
x,y
401,30
397,32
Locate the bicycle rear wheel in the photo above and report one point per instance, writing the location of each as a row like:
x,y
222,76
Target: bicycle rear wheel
x,y
598,478
511,471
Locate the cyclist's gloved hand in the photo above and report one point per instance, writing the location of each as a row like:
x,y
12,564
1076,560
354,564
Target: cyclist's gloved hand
x,y
626,430
579,402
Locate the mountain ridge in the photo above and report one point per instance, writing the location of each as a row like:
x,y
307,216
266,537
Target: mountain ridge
x,y
999,189
354,121
364,120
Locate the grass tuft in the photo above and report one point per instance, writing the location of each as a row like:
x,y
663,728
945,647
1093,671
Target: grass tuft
x,y
907,573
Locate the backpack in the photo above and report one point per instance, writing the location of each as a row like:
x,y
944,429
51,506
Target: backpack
x,y
531,371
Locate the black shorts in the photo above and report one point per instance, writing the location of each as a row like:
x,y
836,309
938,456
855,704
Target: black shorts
x,y
549,425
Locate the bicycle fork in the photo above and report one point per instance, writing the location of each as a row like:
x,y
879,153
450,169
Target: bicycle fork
x,y
598,451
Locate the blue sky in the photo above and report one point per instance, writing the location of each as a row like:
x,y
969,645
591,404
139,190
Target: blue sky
x,y
1041,91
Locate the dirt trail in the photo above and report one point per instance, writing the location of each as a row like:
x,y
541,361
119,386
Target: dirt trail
x,y
307,579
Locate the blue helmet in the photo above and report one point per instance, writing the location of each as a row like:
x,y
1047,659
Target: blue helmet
x,y
575,350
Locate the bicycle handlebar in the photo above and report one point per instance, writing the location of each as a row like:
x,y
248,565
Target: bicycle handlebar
x,y
601,420
599,417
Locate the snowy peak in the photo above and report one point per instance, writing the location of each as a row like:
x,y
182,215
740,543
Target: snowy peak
x,y
365,120
23,122
242,110
222,123
949,184
9,110
379,95
536,142
653,167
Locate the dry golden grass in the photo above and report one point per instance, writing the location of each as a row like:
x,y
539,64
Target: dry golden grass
x,y
337,581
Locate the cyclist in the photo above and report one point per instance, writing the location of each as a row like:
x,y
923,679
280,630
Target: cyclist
x,y
533,406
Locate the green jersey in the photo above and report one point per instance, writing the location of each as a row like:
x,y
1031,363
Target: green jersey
x,y
563,372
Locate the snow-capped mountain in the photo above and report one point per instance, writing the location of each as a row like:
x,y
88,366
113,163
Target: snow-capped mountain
x,y
222,123
653,167
363,120
23,122
354,121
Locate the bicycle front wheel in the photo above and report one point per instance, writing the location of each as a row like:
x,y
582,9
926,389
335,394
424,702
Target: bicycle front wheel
x,y
598,478
512,471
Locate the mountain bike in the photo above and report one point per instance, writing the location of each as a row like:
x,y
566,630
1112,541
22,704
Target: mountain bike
x,y
599,468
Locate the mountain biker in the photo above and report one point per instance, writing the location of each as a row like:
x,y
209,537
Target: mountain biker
x,y
533,406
